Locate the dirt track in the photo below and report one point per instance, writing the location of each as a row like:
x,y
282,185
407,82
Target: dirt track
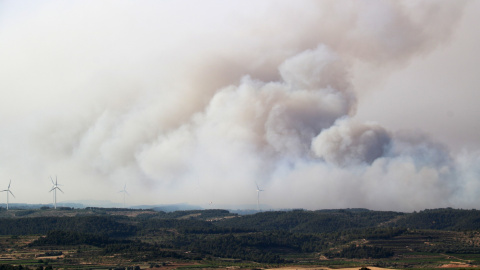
x,y
325,268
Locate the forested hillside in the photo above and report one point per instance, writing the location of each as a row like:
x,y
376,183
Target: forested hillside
x,y
441,219
310,221
266,237
111,226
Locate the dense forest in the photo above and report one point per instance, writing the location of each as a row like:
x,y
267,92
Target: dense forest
x,y
264,237
311,221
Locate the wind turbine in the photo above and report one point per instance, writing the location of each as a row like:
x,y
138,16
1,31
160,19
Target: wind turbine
x,y
54,189
8,191
258,196
124,191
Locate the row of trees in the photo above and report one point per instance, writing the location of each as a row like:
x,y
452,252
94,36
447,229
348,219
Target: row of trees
x,y
362,252
20,267
301,221
441,219
112,226
310,221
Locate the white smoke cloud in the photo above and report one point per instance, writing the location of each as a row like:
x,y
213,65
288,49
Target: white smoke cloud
x,y
197,108
346,143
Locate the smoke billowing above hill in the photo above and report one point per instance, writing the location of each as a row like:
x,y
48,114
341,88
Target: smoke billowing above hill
x,y
199,106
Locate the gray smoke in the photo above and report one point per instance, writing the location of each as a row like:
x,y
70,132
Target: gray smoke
x,y
199,106
347,144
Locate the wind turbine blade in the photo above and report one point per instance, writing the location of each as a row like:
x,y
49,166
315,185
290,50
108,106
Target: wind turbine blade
x,y
56,182
53,183
11,193
52,189
9,183
60,190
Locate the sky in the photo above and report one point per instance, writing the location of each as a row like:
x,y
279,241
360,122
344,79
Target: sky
x,y
322,104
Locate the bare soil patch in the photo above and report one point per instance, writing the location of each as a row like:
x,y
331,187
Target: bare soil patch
x,y
456,265
326,268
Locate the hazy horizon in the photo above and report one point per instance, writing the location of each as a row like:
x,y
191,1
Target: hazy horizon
x,y
323,104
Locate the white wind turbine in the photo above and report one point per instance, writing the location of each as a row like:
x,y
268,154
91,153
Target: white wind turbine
x,y
258,196
54,189
8,191
124,191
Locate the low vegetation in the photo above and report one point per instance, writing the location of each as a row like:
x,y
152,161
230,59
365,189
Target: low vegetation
x,y
116,238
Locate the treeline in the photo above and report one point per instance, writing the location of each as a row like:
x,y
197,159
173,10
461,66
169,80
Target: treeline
x,y
441,219
324,221
135,250
253,247
68,238
138,251
184,226
196,214
20,267
362,252
202,221
378,233
14,267
263,247
309,221
269,247
111,226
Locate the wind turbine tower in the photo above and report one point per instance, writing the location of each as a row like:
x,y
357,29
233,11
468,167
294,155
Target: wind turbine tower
x,y
54,189
124,191
258,196
8,191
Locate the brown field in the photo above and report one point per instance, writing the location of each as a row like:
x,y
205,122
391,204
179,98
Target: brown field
x,y
456,265
325,268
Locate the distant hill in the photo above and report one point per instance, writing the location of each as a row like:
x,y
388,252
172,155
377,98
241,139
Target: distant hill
x,y
310,221
80,204
301,221
169,207
347,219
441,219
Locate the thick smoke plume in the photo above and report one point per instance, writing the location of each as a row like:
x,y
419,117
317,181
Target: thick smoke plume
x,y
198,108
347,144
